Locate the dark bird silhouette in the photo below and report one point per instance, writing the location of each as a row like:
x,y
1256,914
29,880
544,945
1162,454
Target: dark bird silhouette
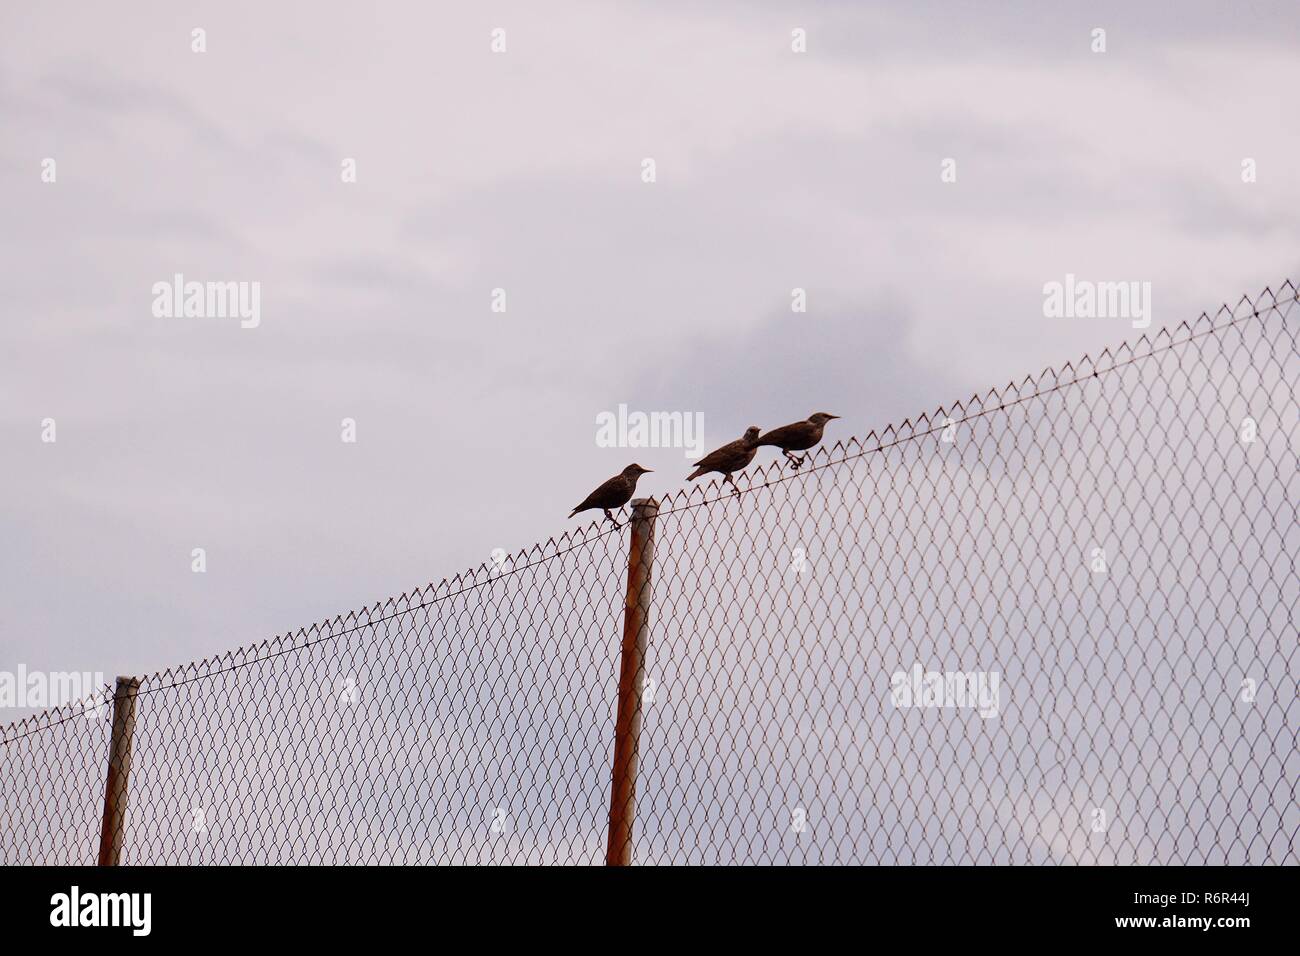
x,y
797,437
614,493
732,456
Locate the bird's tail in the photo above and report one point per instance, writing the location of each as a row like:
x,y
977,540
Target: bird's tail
x,y
695,474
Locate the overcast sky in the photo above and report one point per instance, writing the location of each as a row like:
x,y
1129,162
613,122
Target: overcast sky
x,y
523,170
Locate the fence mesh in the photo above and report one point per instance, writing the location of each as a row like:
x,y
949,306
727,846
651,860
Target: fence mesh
x,y
1055,623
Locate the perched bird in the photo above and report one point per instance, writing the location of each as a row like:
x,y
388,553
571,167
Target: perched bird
x,y
798,437
614,493
732,456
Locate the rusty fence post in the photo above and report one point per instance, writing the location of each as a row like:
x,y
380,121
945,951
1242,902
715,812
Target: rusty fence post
x,y
627,724
119,769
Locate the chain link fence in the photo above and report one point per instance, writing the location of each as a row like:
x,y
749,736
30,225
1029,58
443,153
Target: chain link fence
x,y
1055,623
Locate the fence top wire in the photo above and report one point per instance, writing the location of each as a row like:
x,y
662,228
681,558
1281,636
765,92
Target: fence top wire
x,y
979,405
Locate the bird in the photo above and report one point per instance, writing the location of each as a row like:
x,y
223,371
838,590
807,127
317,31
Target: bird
x,y
732,456
614,493
798,437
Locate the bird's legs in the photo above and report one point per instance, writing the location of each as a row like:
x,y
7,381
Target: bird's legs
x,y
611,518
795,460
727,479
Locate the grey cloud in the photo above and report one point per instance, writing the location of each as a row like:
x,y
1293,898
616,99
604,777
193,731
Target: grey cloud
x,y
853,362
477,429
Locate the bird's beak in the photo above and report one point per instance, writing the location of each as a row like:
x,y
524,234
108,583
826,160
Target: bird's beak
x,y
835,416
647,471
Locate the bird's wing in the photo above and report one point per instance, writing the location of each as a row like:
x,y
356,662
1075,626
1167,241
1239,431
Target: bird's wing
x,y
603,493
778,435
720,455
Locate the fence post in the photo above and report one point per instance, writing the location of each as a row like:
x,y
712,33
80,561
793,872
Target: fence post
x,y
627,725
119,769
